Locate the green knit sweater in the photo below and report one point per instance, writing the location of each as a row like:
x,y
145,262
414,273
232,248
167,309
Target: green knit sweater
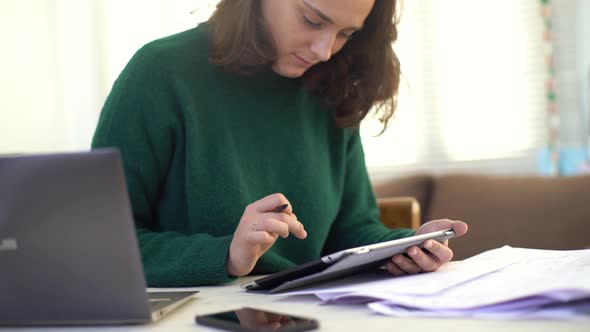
x,y
199,145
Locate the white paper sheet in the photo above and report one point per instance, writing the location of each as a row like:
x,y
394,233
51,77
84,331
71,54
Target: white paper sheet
x,y
449,275
560,276
505,282
572,311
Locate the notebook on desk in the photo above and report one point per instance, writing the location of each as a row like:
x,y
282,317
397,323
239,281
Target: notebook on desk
x,y
68,249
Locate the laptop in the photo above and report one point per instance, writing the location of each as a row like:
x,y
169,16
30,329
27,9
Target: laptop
x,y
342,263
68,248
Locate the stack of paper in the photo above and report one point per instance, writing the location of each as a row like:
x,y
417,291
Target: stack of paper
x,y
505,282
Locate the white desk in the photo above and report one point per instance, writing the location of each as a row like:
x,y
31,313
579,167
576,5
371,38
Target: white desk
x,y
339,318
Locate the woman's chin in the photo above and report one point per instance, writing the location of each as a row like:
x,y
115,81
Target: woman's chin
x,y
289,71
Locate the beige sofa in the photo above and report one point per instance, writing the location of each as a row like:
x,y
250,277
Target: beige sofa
x,y
520,211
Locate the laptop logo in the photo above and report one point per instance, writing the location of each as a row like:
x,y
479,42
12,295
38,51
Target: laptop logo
x,y
8,244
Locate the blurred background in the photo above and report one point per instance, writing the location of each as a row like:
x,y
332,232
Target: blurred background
x,y
488,86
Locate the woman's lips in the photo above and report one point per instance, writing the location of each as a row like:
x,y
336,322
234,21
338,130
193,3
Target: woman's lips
x,y
303,62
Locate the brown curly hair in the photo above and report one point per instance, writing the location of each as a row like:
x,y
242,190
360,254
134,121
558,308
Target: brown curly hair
x,y
363,74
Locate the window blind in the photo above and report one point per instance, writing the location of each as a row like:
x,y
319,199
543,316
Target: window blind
x,y
472,96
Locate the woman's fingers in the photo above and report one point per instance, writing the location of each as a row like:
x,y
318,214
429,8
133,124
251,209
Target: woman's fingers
x,y
277,207
434,253
394,269
260,238
271,225
439,250
294,225
261,224
458,226
406,264
270,203
422,260
418,260
277,223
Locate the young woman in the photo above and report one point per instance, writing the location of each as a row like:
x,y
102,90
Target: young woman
x,y
240,140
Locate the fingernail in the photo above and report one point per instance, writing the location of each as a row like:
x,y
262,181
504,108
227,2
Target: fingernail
x,y
280,208
412,252
428,244
398,260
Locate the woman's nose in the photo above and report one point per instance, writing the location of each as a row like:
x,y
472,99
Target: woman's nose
x,y
322,46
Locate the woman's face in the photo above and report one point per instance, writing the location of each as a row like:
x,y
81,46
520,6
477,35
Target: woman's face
x,y
310,31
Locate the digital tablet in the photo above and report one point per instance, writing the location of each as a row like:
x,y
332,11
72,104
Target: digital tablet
x,y
342,263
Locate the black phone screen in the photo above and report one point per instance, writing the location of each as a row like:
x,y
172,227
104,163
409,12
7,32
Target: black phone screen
x,y
251,319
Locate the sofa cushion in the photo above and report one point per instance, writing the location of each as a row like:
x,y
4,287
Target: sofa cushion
x,y
520,211
417,186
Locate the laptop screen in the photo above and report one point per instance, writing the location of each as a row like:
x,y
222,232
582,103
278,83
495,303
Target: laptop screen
x,y
68,248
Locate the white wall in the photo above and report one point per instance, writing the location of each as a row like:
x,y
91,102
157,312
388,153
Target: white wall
x,y
59,59
31,108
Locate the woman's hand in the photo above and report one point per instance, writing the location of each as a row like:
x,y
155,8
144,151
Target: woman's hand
x,y
434,253
260,226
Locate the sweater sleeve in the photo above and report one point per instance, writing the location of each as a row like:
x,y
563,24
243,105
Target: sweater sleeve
x,y
358,220
142,119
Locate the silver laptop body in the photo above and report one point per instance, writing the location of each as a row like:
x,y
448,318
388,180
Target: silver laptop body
x,y
68,249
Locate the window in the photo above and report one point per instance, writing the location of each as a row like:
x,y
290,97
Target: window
x,y
472,91
472,94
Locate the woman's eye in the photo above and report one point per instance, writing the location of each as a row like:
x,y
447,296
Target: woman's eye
x,y
346,35
311,22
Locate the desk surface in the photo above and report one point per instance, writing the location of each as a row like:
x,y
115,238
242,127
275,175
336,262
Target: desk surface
x,y
331,317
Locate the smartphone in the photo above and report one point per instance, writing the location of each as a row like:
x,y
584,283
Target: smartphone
x,y
252,319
